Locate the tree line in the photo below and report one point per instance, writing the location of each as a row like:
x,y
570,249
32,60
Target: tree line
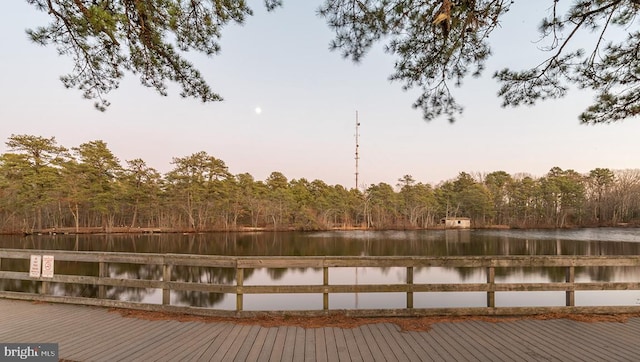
x,y
47,187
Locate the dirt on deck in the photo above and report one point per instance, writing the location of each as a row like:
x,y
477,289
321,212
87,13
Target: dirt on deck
x,y
342,321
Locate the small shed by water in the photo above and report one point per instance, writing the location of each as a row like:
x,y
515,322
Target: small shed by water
x,y
456,222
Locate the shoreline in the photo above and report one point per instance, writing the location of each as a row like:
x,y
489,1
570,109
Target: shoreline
x,y
154,230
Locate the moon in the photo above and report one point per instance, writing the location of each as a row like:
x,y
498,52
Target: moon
x,y
258,110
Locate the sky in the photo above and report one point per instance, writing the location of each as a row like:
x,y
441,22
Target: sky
x,y
280,63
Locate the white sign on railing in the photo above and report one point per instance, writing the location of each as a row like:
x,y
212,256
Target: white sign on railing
x,y
34,269
41,266
47,266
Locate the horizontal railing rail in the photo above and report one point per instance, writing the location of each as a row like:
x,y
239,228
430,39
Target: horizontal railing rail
x,y
238,264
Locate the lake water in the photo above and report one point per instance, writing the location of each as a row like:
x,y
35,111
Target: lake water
x,y
600,241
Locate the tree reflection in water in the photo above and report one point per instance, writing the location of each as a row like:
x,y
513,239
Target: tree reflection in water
x,y
603,241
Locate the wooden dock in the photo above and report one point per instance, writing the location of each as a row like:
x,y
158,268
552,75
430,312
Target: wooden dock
x,y
87,333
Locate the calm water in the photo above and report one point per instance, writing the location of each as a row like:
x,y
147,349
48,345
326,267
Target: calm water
x,y
603,241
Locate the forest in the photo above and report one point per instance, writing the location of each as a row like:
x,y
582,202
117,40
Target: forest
x,y
47,188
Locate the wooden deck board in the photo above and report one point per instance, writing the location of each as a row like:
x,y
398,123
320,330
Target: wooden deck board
x,y
74,337
267,348
443,346
506,347
321,345
330,341
374,348
591,344
585,343
471,346
310,345
232,344
632,332
107,344
62,319
341,345
158,341
289,345
106,325
207,347
88,333
614,339
387,350
278,344
411,352
243,346
552,336
633,326
217,348
530,346
545,334
431,345
361,342
476,341
147,335
94,338
389,333
427,352
352,345
256,346
299,344
194,341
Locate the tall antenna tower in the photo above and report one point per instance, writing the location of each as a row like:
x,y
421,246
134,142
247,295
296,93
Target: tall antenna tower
x,y
357,147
